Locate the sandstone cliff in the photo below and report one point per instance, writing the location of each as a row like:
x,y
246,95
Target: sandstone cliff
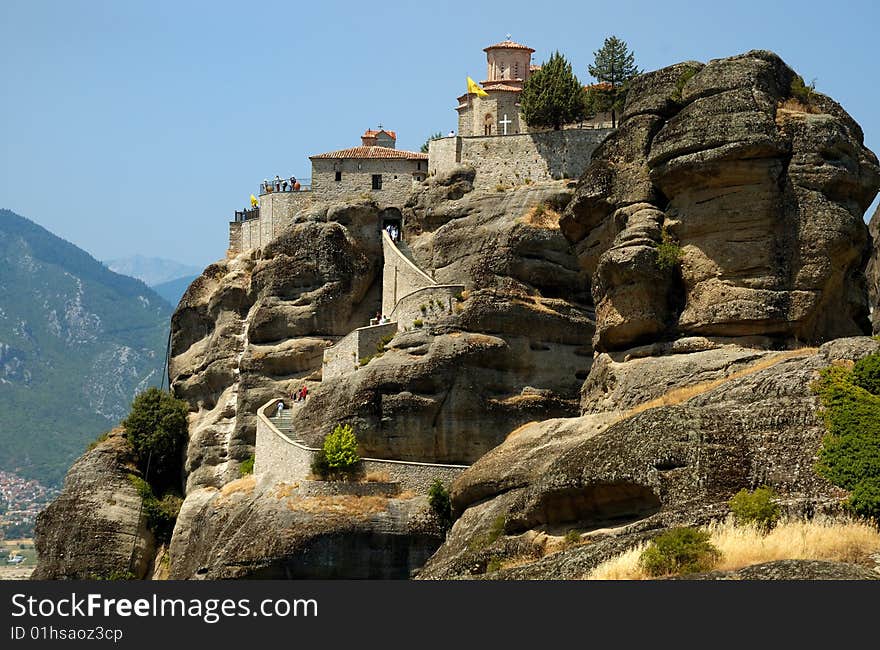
x,y
718,232
753,197
95,528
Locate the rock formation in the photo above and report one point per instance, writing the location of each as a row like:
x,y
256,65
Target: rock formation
x,y
718,232
726,206
94,529
619,477
256,530
872,273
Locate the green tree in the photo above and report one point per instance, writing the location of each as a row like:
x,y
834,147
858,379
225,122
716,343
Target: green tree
x,y
440,503
156,429
679,550
553,96
340,449
615,66
436,136
756,508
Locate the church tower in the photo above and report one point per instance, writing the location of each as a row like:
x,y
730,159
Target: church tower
x,y
508,65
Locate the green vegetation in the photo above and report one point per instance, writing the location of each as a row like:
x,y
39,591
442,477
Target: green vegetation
x,y
65,377
756,508
683,78
552,96
494,564
850,453
423,308
338,459
418,322
246,467
488,538
156,429
679,551
668,252
614,65
436,136
97,441
160,513
572,538
440,503
804,93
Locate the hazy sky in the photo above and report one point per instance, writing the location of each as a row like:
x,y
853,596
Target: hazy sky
x,y
139,127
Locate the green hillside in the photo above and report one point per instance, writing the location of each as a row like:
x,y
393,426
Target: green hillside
x,y
76,342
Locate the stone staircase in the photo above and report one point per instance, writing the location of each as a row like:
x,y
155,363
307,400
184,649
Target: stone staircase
x,y
284,423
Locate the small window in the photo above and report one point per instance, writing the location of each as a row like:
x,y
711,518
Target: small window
x,y
395,177
338,177
377,181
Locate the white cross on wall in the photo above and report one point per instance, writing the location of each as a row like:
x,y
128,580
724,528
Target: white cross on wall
x,y
505,122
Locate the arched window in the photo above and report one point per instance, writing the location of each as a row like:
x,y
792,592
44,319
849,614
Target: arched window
x,y
516,70
488,121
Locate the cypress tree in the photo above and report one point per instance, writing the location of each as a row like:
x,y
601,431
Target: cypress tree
x,y
614,64
553,96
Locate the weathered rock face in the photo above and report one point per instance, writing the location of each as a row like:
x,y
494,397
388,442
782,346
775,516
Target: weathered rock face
x,y
516,350
95,527
252,327
760,199
872,273
253,530
618,475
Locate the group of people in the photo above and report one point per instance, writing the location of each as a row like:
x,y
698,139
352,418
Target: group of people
x,y
379,319
393,232
279,184
297,396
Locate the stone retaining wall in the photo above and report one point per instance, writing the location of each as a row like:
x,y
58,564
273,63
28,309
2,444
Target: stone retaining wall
x,y
427,305
346,354
284,460
507,160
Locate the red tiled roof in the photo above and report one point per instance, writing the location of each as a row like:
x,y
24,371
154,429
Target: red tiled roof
x,y
370,133
602,85
508,45
372,152
495,86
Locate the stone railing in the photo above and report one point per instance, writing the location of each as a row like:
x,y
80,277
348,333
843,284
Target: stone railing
x,y
426,305
400,276
346,354
281,458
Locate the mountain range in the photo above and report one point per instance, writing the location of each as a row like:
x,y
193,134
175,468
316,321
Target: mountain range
x,y
77,341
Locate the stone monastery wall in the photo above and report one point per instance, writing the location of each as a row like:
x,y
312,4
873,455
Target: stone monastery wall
x,y
513,159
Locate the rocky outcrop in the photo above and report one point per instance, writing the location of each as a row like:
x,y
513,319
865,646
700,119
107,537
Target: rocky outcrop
x,y
254,530
254,327
514,349
95,528
617,475
872,273
724,206
792,570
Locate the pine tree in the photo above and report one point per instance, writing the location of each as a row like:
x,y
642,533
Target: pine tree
x,y
552,96
614,65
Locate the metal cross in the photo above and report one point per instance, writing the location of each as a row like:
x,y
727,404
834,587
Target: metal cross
x,y
505,122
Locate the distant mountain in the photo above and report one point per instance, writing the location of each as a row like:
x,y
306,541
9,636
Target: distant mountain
x,y
77,341
152,270
173,290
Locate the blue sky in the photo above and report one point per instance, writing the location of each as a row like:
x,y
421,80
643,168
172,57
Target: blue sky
x,y
139,127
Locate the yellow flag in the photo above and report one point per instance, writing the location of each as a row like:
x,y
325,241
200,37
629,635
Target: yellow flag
x,y
474,87
254,201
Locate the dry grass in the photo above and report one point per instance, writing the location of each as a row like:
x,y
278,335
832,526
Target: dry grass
x,y
377,477
795,105
742,546
542,216
342,504
406,494
284,490
679,395
245,484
